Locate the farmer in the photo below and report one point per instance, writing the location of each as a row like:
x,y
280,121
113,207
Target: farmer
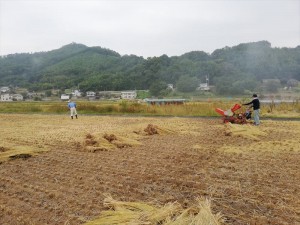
x,y
256,108
72,107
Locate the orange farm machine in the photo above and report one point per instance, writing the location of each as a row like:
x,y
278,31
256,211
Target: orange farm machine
x,y
231,115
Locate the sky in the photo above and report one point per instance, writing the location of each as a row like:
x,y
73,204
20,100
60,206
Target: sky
x,y
147,28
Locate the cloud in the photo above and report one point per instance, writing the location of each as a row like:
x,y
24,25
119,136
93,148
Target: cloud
x,y
144,27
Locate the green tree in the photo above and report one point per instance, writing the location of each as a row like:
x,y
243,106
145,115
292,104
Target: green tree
x,y
272,86
48,93
187,84
158,88
96,68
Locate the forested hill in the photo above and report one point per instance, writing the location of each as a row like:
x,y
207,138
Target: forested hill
x,y
230,69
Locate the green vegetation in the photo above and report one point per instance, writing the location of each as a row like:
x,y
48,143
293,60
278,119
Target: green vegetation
x,y
204,108
232,70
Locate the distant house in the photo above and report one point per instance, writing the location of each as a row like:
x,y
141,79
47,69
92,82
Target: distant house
x,y
68,91
90,94
203,87
65,97
170,87
17,97
109,95
6,98
31,95
4,89
165,101
11,97
76,93
128,94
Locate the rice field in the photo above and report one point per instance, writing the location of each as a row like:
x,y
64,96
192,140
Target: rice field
x,y
205,108
54,170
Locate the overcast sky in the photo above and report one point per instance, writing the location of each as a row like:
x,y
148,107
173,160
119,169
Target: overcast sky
x,y
147,27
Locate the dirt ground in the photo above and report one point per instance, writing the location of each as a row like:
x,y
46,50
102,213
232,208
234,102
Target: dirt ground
x,y
250,174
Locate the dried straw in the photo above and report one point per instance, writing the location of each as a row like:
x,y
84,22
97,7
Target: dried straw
x,y
247,131
137,213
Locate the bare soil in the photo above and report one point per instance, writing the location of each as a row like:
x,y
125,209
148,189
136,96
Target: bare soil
x,y
249,180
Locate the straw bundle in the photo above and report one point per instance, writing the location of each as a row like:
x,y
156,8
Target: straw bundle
x,y
136,213
154,129
205,215
247,131
11,151
105,142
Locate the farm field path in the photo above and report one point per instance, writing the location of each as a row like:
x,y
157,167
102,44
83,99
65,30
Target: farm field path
x,y
251,179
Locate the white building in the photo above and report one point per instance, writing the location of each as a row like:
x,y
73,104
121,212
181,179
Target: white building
x,y
31,95
203,87
65,97
6,97
76,93
11,97
17,97
90,94
128,94
170,87
4,89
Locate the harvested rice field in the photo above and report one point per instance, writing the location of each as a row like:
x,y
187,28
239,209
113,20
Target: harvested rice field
x,y
58,171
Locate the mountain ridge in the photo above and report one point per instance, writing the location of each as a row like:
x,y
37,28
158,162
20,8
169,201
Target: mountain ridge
x,y
100,68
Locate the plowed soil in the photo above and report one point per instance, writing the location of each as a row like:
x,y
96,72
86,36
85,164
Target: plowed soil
x,y
251,179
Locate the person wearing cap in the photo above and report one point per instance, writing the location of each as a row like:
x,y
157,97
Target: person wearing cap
x,y
72,107
256,108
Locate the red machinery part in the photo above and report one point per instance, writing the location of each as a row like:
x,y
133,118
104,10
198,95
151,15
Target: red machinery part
x,y
235,107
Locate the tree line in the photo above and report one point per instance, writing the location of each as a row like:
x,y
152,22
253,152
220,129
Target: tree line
x,y
232,70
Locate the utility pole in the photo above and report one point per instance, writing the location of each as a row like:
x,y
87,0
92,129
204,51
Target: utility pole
x,y
207,80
